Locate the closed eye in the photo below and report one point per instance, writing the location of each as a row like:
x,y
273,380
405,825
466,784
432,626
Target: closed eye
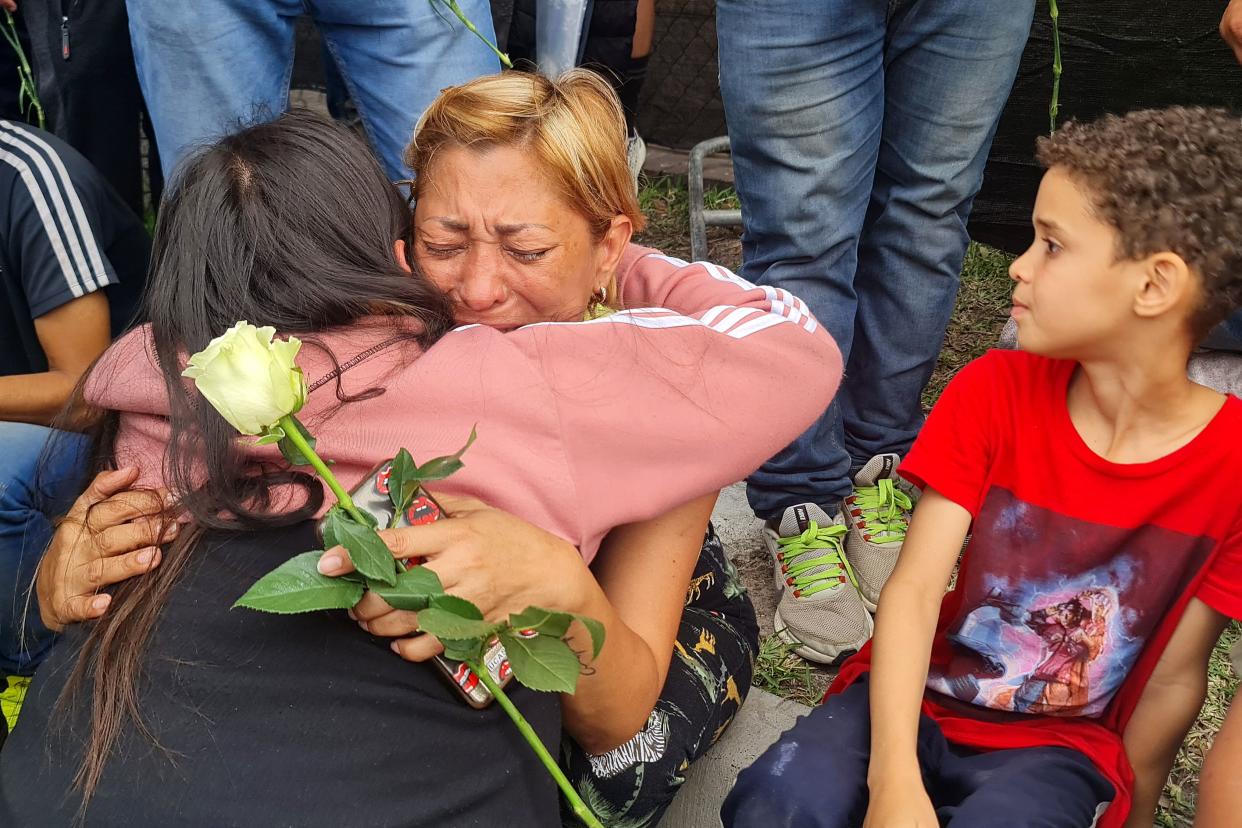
x,y
443,250
528,255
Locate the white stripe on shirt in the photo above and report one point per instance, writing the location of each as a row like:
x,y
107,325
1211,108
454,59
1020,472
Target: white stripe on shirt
x,y
81,237
85,233
49,222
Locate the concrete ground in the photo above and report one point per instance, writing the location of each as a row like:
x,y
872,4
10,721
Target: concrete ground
x,y
764,716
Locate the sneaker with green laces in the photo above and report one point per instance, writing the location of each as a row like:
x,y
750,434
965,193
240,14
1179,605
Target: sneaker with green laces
x,y
820,609
878,516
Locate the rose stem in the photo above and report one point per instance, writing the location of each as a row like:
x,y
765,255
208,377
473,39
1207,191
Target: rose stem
x,y
580,809
290,426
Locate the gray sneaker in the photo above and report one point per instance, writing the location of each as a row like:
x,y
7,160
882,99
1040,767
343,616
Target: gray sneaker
x,y
878,515
820,609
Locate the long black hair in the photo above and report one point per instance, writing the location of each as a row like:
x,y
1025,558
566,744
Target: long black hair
x,y
289,223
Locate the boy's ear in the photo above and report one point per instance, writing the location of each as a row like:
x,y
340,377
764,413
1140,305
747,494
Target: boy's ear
x,y
1167,283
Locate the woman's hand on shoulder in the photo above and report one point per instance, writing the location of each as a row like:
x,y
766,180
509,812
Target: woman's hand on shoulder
x,y
109,535
494,559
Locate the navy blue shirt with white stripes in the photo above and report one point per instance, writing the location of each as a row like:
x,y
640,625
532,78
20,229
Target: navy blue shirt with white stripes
x,y
64,233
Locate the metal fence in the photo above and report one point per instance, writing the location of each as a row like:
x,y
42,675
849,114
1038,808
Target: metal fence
x,y
680,102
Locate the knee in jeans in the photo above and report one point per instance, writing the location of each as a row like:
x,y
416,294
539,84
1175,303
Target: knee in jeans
x,y
783,788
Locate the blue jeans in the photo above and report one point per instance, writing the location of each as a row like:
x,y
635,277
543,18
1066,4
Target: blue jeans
x,y
208,67
41,472
1049,787
1227,336
859,132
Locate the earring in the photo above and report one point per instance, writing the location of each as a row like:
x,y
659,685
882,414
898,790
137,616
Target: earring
x,y
597,306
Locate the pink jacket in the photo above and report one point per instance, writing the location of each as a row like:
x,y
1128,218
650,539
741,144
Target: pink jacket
x,y
582,426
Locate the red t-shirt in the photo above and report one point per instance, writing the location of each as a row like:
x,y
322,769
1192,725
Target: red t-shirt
x,y
1078,569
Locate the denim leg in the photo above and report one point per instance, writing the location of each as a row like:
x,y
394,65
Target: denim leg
x,y
208,67
803,93
815,776
949,67
41,472
1048,787
396,56
1227,336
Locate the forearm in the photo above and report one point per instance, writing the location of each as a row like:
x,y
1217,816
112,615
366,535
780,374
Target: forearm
x,y
901,652
35,398
618,690
1153,736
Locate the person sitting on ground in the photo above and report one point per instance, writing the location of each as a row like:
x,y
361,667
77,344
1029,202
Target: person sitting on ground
x,y
73,259
583,428
707,675
1097,482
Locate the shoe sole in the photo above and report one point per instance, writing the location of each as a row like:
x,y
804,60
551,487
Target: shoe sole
x,y
871,606
810,654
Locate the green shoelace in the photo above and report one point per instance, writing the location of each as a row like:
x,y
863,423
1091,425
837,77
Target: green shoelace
x,y
808,572
886,511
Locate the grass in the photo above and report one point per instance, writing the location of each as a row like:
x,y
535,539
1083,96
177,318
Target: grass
x,y
779,671
980,313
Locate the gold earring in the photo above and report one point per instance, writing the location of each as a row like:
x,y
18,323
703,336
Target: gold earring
x,y
597,306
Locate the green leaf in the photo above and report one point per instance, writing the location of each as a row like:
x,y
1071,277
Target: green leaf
x,y
413,591
542,621
458,606
369,554
470,649
542,663
296,586
273,435
291,452
439,468
329,523
456,619
596,629
551,622
403,481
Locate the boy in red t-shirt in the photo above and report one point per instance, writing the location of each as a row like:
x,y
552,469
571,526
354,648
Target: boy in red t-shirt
x,y
1099,487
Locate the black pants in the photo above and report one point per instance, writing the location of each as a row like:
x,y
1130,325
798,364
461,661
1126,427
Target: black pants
x,y
84,69
815,776
710,675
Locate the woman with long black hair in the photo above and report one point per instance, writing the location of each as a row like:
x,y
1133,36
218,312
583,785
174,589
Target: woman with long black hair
x,y
192,714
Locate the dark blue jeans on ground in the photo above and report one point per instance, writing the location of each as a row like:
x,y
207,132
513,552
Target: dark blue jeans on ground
x,y
859,133
208,66
41,472
815,776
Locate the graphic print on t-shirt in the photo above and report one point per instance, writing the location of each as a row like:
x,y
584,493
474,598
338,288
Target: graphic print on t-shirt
x,y
1056,610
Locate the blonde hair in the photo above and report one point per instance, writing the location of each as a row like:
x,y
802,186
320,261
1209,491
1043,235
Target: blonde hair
x,y
574,125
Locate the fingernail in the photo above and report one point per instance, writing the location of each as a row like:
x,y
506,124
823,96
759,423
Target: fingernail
x,y
170,499
329,563
364,626
100,601
145,556
393,646
352,616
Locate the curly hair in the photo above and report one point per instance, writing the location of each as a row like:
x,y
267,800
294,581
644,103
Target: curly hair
x,y
1165,179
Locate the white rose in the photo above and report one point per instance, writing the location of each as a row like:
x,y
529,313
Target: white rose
x,y
251,380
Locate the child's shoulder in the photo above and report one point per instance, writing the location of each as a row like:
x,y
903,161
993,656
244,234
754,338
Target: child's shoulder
x,y
1001,369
